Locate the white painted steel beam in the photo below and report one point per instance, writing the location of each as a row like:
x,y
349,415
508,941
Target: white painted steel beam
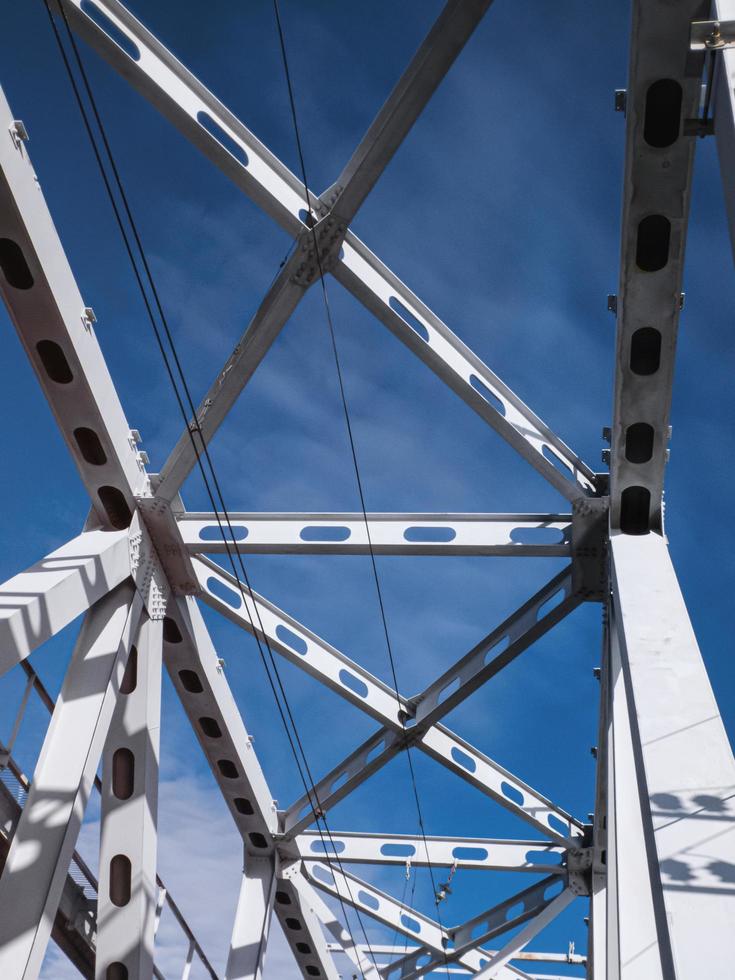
x,y
528,535
56,329
724,115
663,93
312,654
150,68
382,949
35,871
127,891
36,604
539,857
417,84
302,927
198,675
345,944
684,791
246,958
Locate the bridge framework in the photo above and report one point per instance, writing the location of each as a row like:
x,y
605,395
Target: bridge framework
x,y
656,863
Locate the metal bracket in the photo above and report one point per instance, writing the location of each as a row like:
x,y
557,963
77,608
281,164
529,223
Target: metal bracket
x,y
589,549
712,35
319,247
159,519
18,133
579,870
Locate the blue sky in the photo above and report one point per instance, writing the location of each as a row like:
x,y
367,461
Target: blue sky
x,y
501,211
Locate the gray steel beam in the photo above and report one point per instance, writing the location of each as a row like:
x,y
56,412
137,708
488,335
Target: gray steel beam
x,y
302,928
684,792
127,892
35,871
663,93
251,928
536,856
527,535
38,603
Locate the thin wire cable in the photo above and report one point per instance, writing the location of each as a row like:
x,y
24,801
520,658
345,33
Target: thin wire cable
x,y
353,449
309,786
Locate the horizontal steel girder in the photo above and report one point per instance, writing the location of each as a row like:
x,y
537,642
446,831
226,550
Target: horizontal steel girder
x,y
528,535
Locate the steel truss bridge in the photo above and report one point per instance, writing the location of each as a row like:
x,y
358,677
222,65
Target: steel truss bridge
x,y
137,574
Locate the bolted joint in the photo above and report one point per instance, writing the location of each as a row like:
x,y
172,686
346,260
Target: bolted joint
x,y
318,249
579,870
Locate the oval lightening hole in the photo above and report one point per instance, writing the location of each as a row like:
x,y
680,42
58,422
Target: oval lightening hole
x,y
258,840
490,397
414,323
223,138
210,727
123,774
543,857
639,442
190,681
290,639
116,507
116,971
464,760
557,824
316,533
213,532
307,218
410,923
243,806
313,971
304,949
110,28
537,535
652,246
635,503
470,853
90,446
227,768
327,846
218,588
354,684
120,875
645,351
54,362
367,899
430,535
130,677
14,265
171,632
511,793
293,924
663,113
551,603
283,898
323,874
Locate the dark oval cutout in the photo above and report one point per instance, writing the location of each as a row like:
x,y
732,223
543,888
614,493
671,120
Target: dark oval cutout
x,y
635,503
14,265
639,442
293,924
283,898
308,219
430,534
54,362
416,325
116,971
490,397
90,446
224,139
190,681
258,840
304,948
120,874
171,632
227,768
212,532
663,113
123,774
210,727
537,535
652,246
243,806
116,507
111,29
130,677
315,533
645,351
313,971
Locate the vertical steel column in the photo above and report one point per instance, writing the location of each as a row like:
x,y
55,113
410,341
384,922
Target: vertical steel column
x,y
252,919
127,893
39,856
724,116
673,779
